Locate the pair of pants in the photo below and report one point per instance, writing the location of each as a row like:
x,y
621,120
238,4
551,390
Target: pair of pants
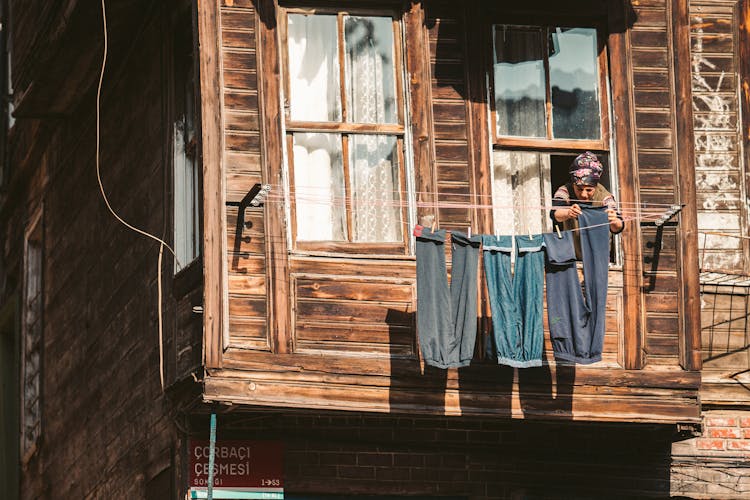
x,y
446,317
577,317
515,300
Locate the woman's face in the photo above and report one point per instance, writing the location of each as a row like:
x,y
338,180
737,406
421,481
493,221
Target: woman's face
x,y
584,193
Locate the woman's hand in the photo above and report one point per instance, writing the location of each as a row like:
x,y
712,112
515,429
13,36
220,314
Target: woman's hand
x,y
572,212
615,223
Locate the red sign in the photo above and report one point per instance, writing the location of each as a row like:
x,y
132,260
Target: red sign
x,y
243,464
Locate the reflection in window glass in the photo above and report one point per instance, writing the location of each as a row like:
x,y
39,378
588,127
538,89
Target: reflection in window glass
x,y
313,68
370,83
375,188
520,87
319,187
574,83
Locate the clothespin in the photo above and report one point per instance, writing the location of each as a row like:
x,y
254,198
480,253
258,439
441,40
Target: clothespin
x,y
530,237
559,234
469,232
434,224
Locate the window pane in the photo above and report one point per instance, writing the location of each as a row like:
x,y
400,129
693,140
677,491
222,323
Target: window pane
x,y
520,189
370,83
376,196
313,68
520,88
319,187
574,82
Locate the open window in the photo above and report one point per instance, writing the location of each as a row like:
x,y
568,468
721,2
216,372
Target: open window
x,y
549,89
344,122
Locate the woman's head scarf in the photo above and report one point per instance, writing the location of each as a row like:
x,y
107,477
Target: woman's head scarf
x,y
586,169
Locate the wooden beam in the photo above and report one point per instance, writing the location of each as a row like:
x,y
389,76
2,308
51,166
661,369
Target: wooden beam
x,y
583,403
417,57
272,163
627,168
214,223
743,16
684,152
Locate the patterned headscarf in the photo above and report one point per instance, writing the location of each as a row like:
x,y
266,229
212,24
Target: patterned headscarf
x,y
586,169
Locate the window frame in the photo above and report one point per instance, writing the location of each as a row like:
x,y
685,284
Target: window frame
x,y
34,226
180,36
345,129
601,145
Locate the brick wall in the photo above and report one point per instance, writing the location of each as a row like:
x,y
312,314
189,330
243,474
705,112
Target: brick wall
x,y
715,464
356,454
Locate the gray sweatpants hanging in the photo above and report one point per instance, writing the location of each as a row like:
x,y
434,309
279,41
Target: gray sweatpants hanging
x,y
577,317
446,317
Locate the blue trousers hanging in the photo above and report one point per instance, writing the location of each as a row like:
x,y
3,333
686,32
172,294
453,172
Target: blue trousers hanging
x,y
515,300
446,316
577,317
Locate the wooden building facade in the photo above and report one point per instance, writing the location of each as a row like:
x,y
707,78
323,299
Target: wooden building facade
x,y
288,312
295,321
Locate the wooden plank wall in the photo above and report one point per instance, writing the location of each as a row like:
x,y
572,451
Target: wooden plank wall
x,y
325,294
725,339
719,165
450,107
29,32
721,172
655,143
103,411
242,160
351,320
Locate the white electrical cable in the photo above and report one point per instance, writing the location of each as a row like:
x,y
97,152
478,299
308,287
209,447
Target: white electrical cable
x,y
116,216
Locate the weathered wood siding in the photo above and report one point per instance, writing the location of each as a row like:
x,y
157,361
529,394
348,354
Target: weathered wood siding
x,y
242,155
655,144
725,327
720,172
104,414
337,331
718,32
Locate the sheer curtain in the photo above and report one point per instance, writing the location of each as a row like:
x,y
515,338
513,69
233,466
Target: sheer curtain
x,y
520,183
315,96
318,157
373,158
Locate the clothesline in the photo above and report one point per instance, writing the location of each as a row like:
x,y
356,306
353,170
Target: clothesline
x,y
315,192
408,226
352,201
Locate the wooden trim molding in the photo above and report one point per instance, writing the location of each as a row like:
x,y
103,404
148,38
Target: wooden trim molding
x,y
627,168
743,18
417,59
272,161
689,291
214,224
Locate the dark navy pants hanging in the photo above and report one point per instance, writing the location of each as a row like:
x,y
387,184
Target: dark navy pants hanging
x,y
446,316
577,317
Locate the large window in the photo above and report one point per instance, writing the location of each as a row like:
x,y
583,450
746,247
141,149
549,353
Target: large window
x,y
344,119
549,88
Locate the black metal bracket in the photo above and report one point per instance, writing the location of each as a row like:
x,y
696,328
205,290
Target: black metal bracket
x,y
255,197
674,210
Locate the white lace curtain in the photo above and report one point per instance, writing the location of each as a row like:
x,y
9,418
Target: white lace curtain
x,y
318,158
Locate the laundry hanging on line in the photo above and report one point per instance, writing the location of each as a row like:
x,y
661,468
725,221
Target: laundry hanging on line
x,y
447,314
